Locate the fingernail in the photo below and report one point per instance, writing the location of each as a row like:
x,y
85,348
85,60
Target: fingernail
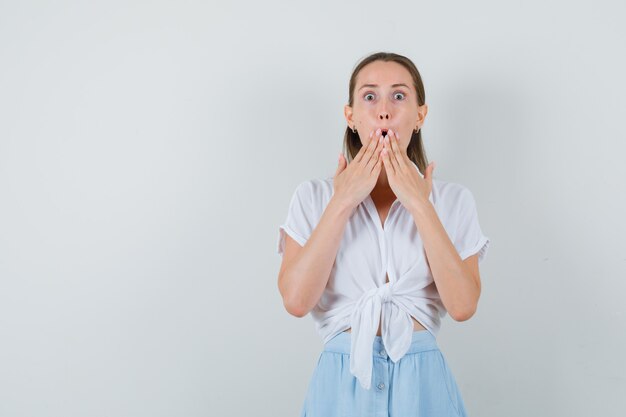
x,y
391,132
378,132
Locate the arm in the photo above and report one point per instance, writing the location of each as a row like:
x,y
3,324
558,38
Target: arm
x,y
457,280
305,270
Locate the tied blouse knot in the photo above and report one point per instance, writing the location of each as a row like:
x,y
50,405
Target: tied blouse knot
x,y
357,295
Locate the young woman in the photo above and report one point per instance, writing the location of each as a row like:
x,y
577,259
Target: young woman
x,y
378,254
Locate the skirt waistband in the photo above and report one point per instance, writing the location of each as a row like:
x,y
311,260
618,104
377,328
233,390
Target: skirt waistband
x,y
421,340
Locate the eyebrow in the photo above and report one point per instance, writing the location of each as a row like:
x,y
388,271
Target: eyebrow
x,y
376,85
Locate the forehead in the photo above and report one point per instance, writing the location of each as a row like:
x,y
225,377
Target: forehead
x,y
383,74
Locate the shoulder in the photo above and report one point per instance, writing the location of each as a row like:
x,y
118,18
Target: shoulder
x,y
322,192
450,190
315,189
450,198
313,195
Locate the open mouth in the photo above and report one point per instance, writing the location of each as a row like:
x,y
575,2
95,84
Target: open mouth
x,y
384,132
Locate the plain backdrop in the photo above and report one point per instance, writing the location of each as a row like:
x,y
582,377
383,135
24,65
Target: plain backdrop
x,y
149,149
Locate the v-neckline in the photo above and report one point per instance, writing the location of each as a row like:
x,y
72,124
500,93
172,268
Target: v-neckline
x,y
373,211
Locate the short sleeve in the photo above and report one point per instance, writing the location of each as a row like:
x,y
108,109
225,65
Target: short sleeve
x,y
469,238
298,224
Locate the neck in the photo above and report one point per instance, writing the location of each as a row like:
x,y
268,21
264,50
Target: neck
x,y
382,184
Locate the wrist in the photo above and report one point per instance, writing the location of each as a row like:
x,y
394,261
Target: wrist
x,y
421,208
341,205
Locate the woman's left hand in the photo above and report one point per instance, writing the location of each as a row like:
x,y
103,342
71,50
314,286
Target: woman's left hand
x,y
407,184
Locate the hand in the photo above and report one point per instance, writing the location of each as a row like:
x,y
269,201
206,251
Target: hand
x,y
406,183
354,183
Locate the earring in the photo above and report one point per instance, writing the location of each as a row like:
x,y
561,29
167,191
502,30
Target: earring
x,y
353,129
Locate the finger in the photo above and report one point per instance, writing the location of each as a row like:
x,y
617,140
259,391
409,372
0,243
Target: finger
x,y
386,156
364,149
379,163
341,165
371,147
429,171
395,148
429,175
375,158
359,154
391,162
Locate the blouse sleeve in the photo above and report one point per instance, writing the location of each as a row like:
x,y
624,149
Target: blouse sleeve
x,y
469,238
298,223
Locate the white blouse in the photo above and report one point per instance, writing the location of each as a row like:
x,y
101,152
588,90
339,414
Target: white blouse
x,y
357,295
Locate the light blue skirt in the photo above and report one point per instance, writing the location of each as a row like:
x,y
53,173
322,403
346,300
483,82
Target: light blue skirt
x,y
420,384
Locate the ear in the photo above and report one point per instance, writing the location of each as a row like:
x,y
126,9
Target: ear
x,y
421,114
347,112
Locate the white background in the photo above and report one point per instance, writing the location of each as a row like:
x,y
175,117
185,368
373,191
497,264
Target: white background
x,y
148,152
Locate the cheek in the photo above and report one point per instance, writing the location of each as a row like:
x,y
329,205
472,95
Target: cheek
x,y
404,140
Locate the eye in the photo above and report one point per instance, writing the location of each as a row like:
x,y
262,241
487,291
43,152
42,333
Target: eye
x,y
401,94
368,94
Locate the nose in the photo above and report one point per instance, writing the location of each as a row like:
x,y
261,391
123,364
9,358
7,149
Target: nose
x,y
383,114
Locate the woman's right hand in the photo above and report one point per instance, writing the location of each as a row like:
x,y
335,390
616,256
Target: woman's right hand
x,y
355,181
